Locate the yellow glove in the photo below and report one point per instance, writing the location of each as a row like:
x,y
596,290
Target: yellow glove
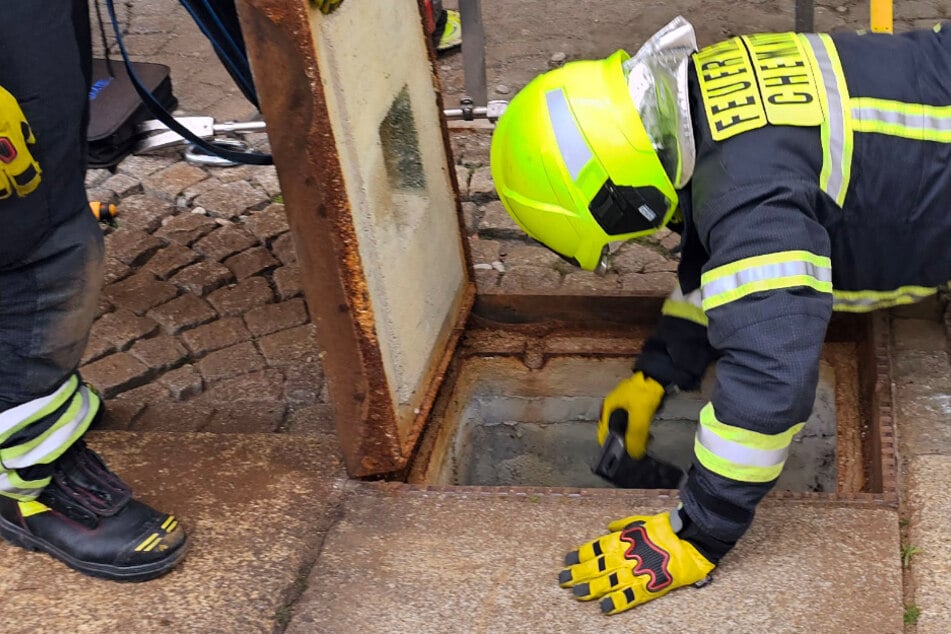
x,y
19,171
326,6
641,559
631,404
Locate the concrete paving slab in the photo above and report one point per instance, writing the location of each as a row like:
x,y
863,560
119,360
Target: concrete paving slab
x,y
922,380
423,562
922,377
929,529
256,507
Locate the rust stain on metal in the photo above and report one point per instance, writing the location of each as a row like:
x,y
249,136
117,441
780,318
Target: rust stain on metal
x,y
849,450
884,468
585,311
440,369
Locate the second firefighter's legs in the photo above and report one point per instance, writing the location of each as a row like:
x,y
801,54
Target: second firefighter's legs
x,y
56,495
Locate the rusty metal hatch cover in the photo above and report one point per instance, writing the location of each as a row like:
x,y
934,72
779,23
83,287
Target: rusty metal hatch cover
x,y
353,111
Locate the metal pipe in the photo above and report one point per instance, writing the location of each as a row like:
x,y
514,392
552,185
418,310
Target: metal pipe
x,y
459,113
491,111
805,16
473,51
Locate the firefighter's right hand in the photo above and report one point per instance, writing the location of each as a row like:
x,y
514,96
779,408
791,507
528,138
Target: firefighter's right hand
x,y
628,409
641,559
19,171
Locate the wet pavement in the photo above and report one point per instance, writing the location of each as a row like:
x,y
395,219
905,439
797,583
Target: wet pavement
x,y
217,411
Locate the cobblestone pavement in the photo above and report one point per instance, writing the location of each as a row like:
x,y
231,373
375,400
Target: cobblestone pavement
x,y
202,325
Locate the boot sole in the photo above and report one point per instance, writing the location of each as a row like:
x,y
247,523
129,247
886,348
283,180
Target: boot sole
x,y
19,537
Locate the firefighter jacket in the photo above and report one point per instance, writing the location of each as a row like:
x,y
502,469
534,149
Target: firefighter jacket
x,y
822,181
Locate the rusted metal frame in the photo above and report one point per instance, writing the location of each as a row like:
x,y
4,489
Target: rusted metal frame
x,y
597,312
871,453
439,431
515,340
287,77
883,469
437,380
591,310
279,39
436,374
851,453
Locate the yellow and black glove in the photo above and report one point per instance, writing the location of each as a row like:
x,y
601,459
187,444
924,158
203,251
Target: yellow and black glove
x,y
19,171
326,6
632,404
641,559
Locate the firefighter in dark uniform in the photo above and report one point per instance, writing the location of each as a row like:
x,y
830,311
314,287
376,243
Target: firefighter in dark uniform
x,y
56,495
806,173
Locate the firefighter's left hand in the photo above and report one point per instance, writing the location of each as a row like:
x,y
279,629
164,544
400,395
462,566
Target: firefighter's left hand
x,y
326,6
632,403
641,559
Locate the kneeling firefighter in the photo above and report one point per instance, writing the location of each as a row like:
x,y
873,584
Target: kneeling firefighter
x,y
806,173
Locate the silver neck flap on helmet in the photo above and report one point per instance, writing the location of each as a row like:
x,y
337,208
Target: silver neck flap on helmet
x,y
657,82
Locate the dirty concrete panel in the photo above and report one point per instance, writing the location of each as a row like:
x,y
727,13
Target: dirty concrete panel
x,y
429,562
255,506
929,504
537,427
396,175
922,382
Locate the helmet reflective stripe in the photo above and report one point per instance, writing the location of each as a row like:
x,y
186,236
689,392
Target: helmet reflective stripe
x,y
574,150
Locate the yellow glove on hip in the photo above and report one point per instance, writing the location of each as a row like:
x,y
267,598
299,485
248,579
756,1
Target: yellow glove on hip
x,y
640,560
19,171
632,404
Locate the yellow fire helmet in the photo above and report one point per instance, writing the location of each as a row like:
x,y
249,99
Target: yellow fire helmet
x,y
574,166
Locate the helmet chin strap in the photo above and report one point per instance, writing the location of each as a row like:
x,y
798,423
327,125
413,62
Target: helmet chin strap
x,y
603,265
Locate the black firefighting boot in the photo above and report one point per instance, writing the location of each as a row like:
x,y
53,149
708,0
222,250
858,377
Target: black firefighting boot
x,y
87,519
